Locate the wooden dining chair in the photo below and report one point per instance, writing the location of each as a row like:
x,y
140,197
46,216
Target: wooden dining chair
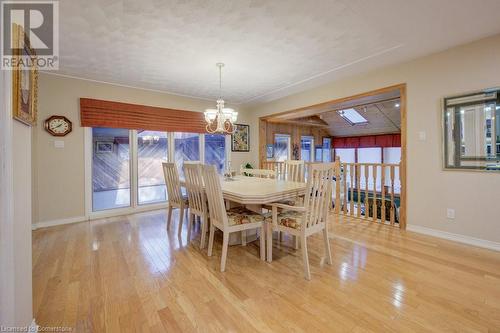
x,y
197,199
233,220
294,171
262,173
175,197
308,219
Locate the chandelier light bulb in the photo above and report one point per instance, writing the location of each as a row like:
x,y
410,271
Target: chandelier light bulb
x,y
210,115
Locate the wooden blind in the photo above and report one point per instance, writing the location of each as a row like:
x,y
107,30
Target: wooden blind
x,y
384,140
99,113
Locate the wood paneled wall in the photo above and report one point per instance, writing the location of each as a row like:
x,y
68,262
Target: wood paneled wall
x,y
267,131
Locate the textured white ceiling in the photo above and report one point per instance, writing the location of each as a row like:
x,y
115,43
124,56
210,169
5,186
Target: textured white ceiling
x,y
271,48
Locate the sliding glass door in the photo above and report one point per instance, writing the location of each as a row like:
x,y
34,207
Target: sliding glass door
x,y
215,151
110,168
126,165
186,148
152,150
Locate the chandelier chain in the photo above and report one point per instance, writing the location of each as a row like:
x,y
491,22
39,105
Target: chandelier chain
x,y
220,81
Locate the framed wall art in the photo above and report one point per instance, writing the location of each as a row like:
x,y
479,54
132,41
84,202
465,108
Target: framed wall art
x,y
240,139
24,80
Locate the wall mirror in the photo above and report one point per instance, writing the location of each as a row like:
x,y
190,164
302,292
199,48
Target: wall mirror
x,y
472,131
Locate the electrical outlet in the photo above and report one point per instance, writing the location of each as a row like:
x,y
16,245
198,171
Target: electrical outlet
x,y
450,213
58,144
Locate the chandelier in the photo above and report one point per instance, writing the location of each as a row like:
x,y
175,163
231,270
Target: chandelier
x,y
220,120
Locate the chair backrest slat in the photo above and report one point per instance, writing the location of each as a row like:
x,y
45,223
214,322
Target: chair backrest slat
x,y
216,207
294,171
195,189
172,183
318,193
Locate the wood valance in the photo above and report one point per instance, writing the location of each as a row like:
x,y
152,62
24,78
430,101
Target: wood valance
x,y
99,113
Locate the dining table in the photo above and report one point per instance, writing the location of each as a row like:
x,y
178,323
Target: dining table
x,y
254,193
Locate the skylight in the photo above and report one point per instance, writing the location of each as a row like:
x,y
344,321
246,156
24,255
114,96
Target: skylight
x,y
352,116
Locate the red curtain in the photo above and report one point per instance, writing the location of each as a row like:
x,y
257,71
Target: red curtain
x,y
385,140
99,113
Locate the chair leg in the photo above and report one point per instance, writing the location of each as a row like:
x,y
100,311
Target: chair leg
x,y
181,220
211,240
169,218
225,245
269,235
204,222
190,225
305,258
262,242
327,247
244,238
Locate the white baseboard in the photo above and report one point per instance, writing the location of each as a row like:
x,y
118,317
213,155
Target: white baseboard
x,y
100,215
455,237
126,211
45,224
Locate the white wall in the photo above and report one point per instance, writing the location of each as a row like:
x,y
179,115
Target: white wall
x,y
431,190
21,157
15,213
58,174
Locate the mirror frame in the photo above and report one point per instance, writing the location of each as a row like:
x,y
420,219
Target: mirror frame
x,y
494,97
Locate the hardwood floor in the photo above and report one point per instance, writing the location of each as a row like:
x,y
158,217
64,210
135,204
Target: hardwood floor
x,y
128,274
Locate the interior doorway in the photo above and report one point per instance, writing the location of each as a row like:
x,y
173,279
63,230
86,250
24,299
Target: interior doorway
x,y
368,133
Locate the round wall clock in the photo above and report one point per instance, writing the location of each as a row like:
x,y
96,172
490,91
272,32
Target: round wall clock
x,y
58,125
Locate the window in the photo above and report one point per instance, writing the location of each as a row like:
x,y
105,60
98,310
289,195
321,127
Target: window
x,y
318,154
352,116
215,151
392,155
347,155
110,168
281,147
152,150
186,148
306,148
370,155
327,150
